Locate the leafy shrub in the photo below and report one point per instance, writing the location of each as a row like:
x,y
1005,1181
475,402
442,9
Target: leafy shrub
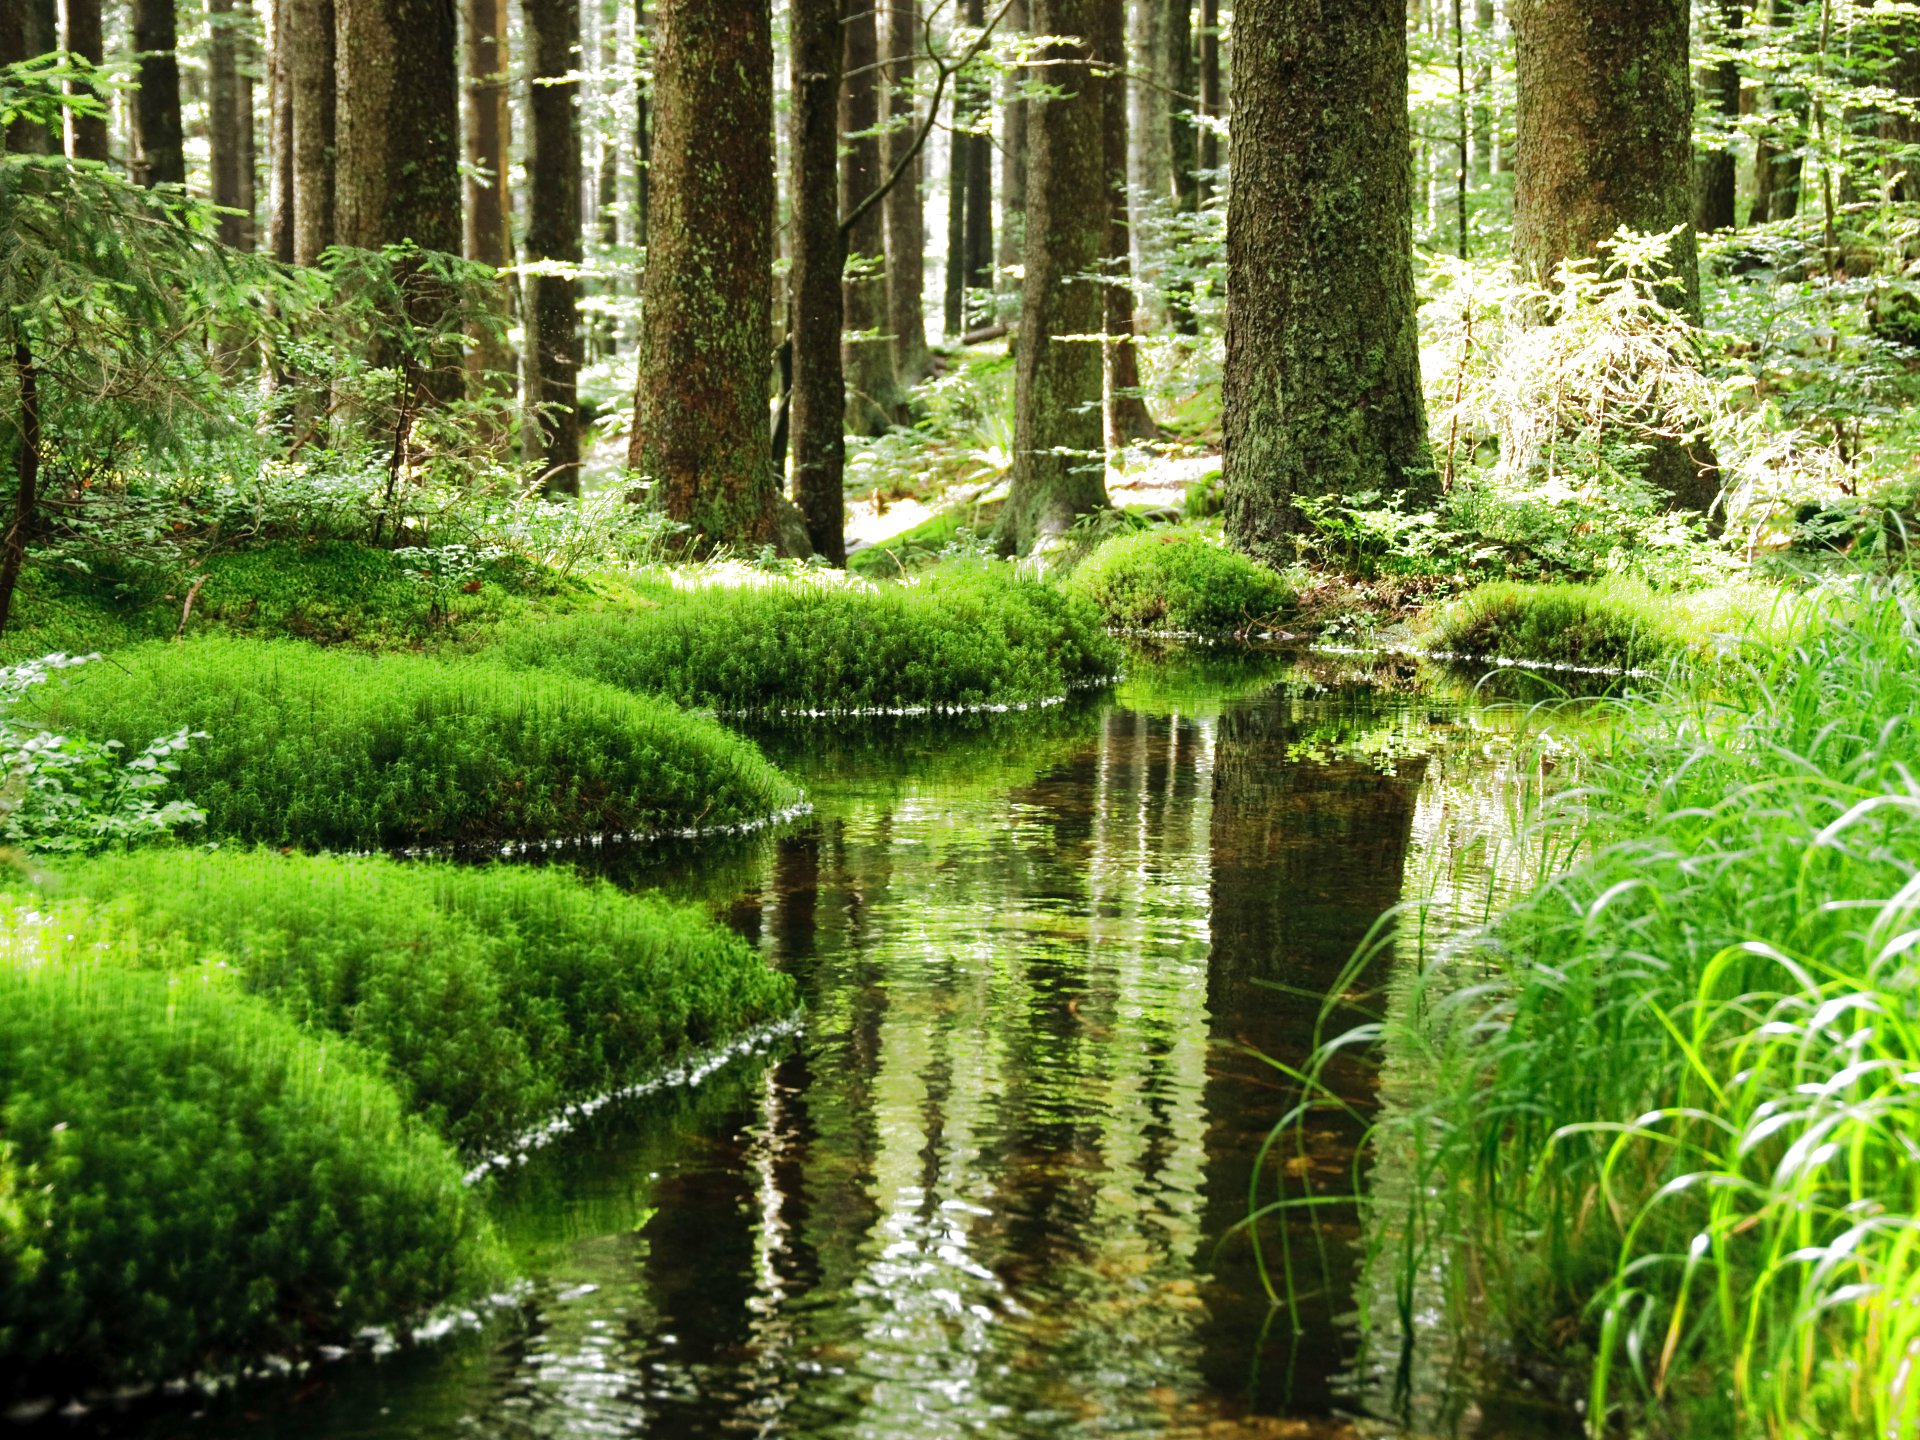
x,y
329,749
193,1180
494,994
1176,580
968,634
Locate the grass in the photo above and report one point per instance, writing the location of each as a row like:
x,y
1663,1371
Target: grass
x,y
965,635
339,750
1613,624
187,1180
1673,1107
491,995
1176,580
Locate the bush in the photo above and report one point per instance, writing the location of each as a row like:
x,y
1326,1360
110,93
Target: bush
x,y
492,994
965,635
1176,580
193,1181
330,749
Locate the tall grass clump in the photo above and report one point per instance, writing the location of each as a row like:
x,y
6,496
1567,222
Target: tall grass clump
x,y
964,635
338,750
1176,580
492,995
1676,1107
187,1180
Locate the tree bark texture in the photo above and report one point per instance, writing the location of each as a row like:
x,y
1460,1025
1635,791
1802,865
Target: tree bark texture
x,y
643,122
489,134
906,217
874,397
310,81
1127,418
1150,114
1182,142
1059,452
1013,160
397,124
279,135
1322,379
230,122
156,105
553,233
1212,96
954,293
700,428
818,397
81,34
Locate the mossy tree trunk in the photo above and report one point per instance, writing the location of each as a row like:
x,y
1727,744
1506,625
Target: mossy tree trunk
x,y
906,217
1322,379
1059,449
700,426
1604,139
816,420
86,134
553,234
874,397
1126,412
156,104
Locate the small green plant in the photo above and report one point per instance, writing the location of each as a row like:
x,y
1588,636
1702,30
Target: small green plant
x,y
1176,580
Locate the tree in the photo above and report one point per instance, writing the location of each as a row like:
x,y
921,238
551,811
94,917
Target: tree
x,y
553,235
397,126
489,134
156,104
1777,160
816,421
86,134
230,120
1322,380
279,134
1714,188
1183,143
906,217
1013,172
309,41
26,32
1150,112
1604,141
1126,412
874,397
700,427
1059,470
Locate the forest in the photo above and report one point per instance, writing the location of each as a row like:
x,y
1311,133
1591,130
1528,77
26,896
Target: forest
x,y
959,717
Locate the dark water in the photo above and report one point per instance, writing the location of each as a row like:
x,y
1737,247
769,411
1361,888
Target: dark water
x,y
998,1183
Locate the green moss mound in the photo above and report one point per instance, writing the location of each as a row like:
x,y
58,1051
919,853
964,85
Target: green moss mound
x,y
493,995
187,1180
1176,580
967,635
337,750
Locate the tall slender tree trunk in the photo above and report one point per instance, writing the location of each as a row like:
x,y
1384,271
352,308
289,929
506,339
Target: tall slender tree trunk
x,y
1605,139
979,222
28,28
643,123
553,233
1212,97
397,127
1059,451
1183,142
229,123
700,426
82,35
279,134
1126,411
954,309
156,107
310,79
13,553
1150,113
1777,160
874,397
1714,180
906,217
1322,379
816,421
1013,161
489,138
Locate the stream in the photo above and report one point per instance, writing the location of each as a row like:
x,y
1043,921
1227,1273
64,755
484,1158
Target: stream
x,y
997,1182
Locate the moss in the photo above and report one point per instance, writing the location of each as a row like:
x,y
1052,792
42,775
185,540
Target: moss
x,y
1176,580
338,750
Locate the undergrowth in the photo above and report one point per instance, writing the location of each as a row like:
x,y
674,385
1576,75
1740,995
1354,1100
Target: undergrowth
x,y
338,750
1176,580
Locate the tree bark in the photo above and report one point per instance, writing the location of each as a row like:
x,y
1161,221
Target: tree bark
x,y
906,217
156,104
874,397
1150,113
1605,139
489,137
553,233
979,231
1776,178
955,294
1059,464
397,126
1212,97
229,123
1183,145
643,123
1127,418
86,134
26,474
1714,181
310,81
1013,162
1322,379
28,28
818,398
279,134
700,427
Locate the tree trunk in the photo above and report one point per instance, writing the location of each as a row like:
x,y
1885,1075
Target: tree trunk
x,y
1059,465
86,134
310,80
1150,115
489,136
27,475
397,127
979,231
279,134
955,295
553,233
1714,184
643,124
229,123
1605,139
28,28
1322,379
906,217
817,418
874,397
1777,165
156,104
1183,146
700,426
1127,418
1212,97
1013,162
